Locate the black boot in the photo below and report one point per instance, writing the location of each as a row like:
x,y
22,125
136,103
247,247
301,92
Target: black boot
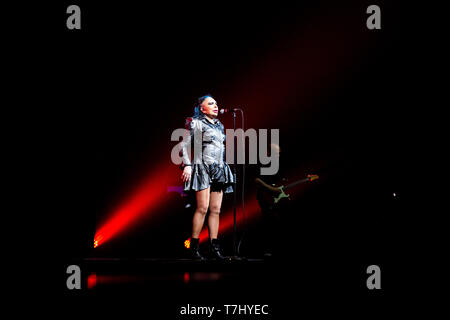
x,y
214,250
195,249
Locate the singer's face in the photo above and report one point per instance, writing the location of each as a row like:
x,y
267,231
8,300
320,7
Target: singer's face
x,y
209,107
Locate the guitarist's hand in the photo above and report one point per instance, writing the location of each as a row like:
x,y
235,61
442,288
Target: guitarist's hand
x,y
267,188
275,190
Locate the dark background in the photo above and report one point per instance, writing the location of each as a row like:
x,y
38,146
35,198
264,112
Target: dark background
x,y
334,88
108,96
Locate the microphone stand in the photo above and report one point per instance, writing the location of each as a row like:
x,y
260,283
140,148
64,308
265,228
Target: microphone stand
x,y
235,253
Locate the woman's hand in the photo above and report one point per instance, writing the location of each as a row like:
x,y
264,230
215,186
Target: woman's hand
x,y
186,175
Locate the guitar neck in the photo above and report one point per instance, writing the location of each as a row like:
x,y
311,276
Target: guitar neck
x,y
296,183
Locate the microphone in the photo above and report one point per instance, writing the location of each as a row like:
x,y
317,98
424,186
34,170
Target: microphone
x,y
222,111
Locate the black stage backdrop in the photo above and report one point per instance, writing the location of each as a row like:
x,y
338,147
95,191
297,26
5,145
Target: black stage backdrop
x,y
106,98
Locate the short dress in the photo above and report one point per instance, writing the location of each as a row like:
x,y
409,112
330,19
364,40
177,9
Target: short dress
x,y
209,169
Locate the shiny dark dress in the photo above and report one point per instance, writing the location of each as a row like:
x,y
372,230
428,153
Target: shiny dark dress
x,y
209,168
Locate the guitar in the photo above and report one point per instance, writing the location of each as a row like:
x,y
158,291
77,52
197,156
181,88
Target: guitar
x,y
268,199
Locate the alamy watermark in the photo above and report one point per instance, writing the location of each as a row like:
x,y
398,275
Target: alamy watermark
x,y
73,21
258,147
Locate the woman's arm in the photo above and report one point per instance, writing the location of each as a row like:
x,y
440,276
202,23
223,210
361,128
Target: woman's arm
x,y
192,126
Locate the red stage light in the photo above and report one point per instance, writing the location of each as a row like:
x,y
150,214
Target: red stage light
x,y
187,243
186,277
92,280
145,198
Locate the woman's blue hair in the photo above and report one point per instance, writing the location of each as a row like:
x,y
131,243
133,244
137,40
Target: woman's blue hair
x,y
200,100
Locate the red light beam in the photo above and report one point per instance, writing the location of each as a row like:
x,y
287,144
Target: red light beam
x,y
145,198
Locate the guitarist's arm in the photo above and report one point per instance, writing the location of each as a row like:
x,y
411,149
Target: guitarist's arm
x,y
261,184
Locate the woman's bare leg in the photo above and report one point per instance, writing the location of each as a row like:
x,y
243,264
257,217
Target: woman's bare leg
x,y
200,212
215,202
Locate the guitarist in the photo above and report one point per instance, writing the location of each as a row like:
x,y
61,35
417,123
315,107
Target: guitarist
x,y
270,213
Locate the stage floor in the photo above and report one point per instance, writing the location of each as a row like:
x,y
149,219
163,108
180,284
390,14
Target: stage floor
x,y
102,273
287,287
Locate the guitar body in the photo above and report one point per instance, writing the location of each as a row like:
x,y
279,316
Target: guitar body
x,y
281,196
267,200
